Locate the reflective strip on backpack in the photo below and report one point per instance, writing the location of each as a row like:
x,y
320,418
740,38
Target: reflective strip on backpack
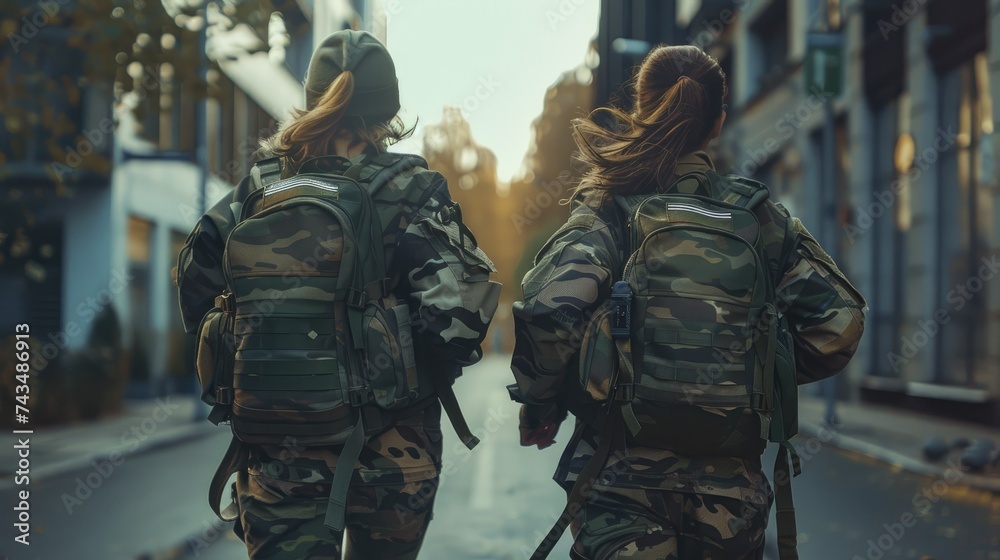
x,y
298,182
697,210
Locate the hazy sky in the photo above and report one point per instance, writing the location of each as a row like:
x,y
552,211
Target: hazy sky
x,y
495,59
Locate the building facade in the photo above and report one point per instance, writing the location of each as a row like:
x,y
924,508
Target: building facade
x,y
102,180
894,173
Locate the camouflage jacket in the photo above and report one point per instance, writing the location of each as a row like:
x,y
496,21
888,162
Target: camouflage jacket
x,y
449,324
572,277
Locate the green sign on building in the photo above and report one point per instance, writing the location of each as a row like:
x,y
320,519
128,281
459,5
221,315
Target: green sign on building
x,y
824,64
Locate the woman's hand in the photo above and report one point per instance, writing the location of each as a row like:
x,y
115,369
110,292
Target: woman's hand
x,y
539,424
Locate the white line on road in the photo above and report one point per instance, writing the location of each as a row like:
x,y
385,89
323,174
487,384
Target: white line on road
x,y
482,485
484,478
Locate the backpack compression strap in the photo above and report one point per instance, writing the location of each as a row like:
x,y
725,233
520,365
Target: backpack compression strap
x,y
234,461
446,394
336,507
577,498
784,506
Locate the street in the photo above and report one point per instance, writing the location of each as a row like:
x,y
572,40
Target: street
x,y
495,502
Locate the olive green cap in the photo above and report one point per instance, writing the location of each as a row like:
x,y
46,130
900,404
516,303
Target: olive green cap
x,y
376,89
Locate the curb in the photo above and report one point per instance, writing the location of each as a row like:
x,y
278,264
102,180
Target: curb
x,y
192,432
893,458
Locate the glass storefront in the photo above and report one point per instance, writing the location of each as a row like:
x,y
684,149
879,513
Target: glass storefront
x,y
892,156
964,222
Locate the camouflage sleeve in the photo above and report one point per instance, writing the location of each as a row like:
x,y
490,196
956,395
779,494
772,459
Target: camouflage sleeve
x,y
448,279
825,311
572,274
199,264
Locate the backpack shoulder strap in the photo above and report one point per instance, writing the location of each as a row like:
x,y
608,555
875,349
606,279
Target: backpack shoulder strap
x,y
265,172
740,191
262,174
354,171
699,182
580,220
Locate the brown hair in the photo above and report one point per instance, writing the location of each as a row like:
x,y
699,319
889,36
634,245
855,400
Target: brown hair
x,y
311,132
679,94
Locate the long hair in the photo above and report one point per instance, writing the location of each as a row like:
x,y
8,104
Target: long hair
x,y
679,94
311,132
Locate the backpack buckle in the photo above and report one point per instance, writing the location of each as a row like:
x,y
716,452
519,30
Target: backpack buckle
x,y
449,213
224,395
625,392
225,302
360,396
355,298
757,401
621,319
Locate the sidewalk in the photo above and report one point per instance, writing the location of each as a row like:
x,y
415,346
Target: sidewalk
x,y
894,436
142,426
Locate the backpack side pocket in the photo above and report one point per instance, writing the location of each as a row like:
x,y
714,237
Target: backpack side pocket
x,y
784,416
456,298
598,357
211,359
390,363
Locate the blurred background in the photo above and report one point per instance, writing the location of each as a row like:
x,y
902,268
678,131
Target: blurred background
x,y
872,120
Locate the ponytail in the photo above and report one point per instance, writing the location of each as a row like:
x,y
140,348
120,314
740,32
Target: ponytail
x,y
673,115
311,133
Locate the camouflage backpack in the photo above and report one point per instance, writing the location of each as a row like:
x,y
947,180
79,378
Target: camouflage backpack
x,y
307,341
695,321
691,354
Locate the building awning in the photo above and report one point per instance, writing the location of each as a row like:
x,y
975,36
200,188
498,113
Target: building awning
x,y
269,84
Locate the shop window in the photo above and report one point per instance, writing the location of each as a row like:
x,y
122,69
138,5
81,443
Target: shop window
x,y
892,159
964,222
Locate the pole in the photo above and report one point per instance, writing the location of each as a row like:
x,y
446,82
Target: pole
x,y
200,409
829,205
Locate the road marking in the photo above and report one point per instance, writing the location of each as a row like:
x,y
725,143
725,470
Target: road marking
x,y
484,478
482,481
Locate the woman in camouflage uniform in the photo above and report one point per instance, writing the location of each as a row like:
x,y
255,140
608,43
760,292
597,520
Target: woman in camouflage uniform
x,y
646,502
352,99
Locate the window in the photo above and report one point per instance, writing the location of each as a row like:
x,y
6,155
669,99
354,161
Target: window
x,y
769,45
890,130
41,115
138,249
883,55
964,222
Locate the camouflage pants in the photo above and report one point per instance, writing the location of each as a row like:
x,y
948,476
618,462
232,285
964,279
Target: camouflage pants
x,y
283,520
661,525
